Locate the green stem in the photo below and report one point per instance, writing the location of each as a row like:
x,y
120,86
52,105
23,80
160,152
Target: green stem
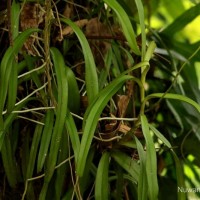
x,y
144,70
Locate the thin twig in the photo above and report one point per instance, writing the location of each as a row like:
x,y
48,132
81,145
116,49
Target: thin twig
x,y
108,140
42,175
31,120
31,71
33,109
35,91
118,119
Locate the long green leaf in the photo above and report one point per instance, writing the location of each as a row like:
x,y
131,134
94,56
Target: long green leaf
x,y
101,183
29,191
142,26
12,89
61,111
91,119
142,181
84,182
73,134
74,97
61,172
151,162
179,170
108,88
45,139
127,163
119,181
9,119
9,162
90,67
6,68
126,25
15,13
172,96
34,149
160,136
180,176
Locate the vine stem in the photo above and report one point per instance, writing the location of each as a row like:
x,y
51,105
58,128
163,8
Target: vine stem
x,y
148,55
47,28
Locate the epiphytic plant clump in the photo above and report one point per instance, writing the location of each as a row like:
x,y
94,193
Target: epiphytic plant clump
x,y
95,102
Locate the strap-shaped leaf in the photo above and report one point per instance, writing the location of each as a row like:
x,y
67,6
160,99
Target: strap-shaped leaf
x,y
6,67
92,116
151,161
12,89
126,25
180,176
73,134
34,149
9,162
142,26
74,97
15,14
142,181
10,118
45,139
101,183
160,136
179,170
61,111
172,96
90,67
127,163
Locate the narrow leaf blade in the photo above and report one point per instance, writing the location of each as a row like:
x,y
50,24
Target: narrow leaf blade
x,y
91,119
90,67
175,97
101,183
151,161
126,25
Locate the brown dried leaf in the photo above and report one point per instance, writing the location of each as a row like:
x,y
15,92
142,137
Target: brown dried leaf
x,y
80,23
122,104
129,88
111,126
98,33
124,128
96,28
84,102
68,11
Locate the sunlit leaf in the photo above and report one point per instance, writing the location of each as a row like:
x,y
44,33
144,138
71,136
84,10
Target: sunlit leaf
x,y
182,20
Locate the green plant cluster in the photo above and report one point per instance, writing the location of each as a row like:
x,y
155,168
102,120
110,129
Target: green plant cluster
x,y
97,104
